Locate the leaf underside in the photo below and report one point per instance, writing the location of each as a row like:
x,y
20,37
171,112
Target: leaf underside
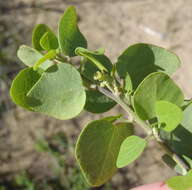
x,y
57,92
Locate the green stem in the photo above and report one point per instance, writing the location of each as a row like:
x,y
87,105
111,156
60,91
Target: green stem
x,y
127,109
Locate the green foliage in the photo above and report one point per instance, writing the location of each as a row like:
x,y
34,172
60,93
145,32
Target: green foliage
x,y
169,115
96,102
130,150
49,41
128,87
21,85
180,182
30,56
48,56
180,139
70,36
101,140
40,35
156,86
57,92
112,119
139,82
97,57
140,60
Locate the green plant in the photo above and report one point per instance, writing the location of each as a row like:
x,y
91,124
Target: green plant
x,y
139,82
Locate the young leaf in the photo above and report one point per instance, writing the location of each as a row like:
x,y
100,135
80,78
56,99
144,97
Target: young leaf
x,y
168,114
180,182
21,85
98,147
70,36
49,41
128,85
131,148
101,61
140,60
38,32
97,102
30,56
157,86
59,92
180,140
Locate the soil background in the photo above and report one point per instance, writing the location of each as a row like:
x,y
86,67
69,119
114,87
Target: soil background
x,y
111,24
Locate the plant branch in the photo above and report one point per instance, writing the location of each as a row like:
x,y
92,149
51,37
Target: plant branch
x,y
147,129
127,109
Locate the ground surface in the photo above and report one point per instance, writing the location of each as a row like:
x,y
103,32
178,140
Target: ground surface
x,y
106,23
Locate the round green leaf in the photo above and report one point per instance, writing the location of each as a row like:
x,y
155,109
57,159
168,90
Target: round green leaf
x,y
97,102
130,150
141,59
169,115
59,92
157,86
98,147
70,36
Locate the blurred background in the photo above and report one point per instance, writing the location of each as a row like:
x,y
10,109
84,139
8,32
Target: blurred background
x,y
37,152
